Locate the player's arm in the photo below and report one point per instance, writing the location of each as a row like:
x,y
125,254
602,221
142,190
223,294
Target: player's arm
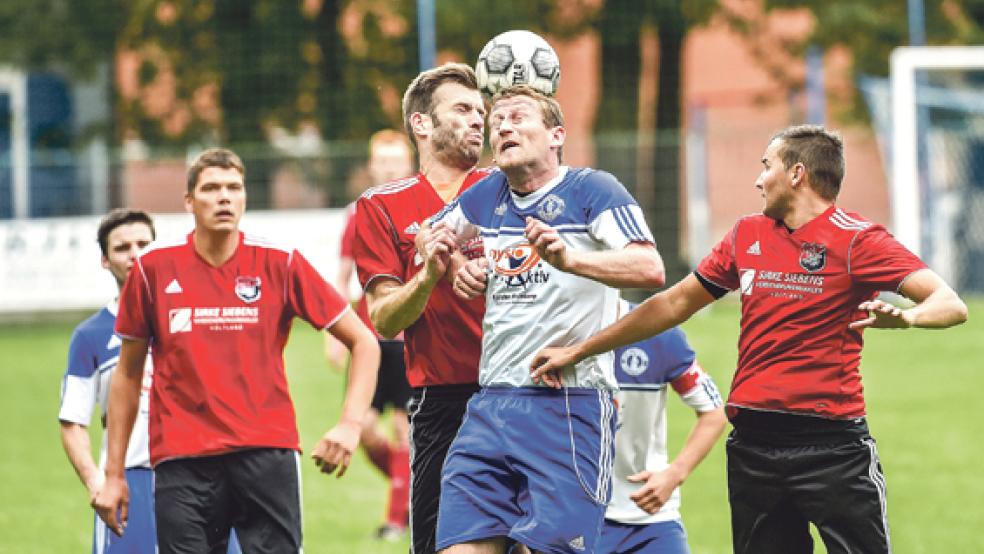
x,y
638,265
124,401
937,306
75,440
657,314
394,306
336,447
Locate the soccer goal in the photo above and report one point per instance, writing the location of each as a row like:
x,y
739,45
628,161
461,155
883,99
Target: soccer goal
x,y
937,186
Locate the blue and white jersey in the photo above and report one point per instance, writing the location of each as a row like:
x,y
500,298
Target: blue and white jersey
x,y
644,370
529,303
92,357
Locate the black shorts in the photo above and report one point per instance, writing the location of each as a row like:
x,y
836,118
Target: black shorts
x,y
435,416
786,471
392,388
255,491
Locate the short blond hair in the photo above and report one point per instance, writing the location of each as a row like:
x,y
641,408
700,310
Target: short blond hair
x,y
214,157
550,110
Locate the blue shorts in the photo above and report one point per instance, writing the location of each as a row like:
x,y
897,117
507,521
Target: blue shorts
x,y
531,464
665,537
140,535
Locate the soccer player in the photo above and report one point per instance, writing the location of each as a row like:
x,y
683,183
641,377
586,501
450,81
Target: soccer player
x,y
809,273
644,513
218,307
92,357
444,115
390,157
532,464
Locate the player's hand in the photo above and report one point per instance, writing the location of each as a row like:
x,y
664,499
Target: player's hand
x,y
94,485
335,449
435,244
472,279
112,504
656,490
551,248
548,365
882,315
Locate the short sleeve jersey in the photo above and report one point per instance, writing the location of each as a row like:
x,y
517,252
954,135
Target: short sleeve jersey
x,y
800,290
644,370
347,250
92,357
443,345
529,303
217,338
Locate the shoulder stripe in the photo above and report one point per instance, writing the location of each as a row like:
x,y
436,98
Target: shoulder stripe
x,y
263,242
850,219
842,220
172,242
392,187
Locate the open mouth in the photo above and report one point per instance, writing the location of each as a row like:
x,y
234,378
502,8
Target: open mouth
x,y
507,145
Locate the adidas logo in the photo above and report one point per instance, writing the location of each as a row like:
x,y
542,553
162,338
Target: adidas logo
x,y
500,209
173,287
412,229
754,249
577,543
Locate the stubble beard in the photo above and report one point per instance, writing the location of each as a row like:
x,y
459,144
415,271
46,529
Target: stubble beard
x,y
453,150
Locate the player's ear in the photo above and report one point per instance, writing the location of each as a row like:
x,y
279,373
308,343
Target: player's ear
x,y
557,136
104,261
421,124
188,200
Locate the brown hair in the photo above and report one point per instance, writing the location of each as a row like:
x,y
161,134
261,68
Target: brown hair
x,y
419,97
820,151
550,110
214,157
387,136
121,216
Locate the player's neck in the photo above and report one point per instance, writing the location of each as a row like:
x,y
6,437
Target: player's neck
x,y
805,209
215,247
445,179
525,179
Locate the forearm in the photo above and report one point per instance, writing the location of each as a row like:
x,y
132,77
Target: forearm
x,y
75,440
363,373
635,266
941,309
124,401
704,434
393,308
657,314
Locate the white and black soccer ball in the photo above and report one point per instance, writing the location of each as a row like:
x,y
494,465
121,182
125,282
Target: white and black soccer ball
x,y
518,58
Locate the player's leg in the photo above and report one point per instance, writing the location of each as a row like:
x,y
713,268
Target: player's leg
x,y
193,506
435,414
841,489
375,444
764,519
664,537
267,490
478,485
561,443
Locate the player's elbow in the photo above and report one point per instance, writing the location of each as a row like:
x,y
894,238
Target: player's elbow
x,y
652,274
960,312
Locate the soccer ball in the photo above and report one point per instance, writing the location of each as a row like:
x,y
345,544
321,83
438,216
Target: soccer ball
x,y
518,58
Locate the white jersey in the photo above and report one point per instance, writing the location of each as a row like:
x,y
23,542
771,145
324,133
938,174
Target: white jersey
x,y
92,357
529,303
644,371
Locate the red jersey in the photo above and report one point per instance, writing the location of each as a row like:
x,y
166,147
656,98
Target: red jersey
x,y
218,335
347,250
444,345
799,291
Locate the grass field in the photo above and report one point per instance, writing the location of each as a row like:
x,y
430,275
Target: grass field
x,y
922,389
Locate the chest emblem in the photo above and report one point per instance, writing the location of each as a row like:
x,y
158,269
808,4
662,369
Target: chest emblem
x,y
813,256
500,209
634,361
551,207
248,288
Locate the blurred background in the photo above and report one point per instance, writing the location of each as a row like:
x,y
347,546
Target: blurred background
x,y
102,103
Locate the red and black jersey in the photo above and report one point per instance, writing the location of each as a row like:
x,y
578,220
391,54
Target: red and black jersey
x,y
800,290
218,335
444,345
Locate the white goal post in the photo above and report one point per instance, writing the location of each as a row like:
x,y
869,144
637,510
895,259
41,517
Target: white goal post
x,y
906,193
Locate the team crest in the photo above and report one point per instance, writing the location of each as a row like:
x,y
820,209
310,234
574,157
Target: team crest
x,y
551,207
813,256
248,288
634,361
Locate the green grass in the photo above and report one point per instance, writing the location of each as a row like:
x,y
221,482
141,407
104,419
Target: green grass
x,y
922,388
